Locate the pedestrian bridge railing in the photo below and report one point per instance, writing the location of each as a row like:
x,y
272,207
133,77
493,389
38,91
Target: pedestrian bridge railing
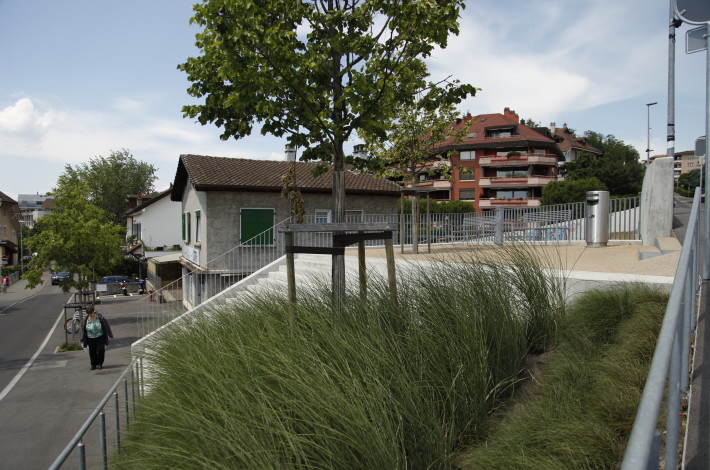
x,y
668,373
100,435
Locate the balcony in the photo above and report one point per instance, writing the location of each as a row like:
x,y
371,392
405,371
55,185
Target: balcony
x,y
437,184
493,203
521,160
515,182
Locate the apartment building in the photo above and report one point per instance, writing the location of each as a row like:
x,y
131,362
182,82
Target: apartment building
x,y
500,162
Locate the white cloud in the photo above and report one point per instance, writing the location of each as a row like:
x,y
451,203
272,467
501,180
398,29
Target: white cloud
x,y
23,123
546,59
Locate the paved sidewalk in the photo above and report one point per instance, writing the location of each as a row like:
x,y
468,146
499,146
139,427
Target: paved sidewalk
x,y
17,292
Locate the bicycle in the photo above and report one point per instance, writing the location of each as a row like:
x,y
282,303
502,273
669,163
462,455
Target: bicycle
x,y
73,325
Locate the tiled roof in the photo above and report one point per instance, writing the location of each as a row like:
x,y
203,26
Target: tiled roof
x,y
5,198
567,141
240,174
152,199
474,130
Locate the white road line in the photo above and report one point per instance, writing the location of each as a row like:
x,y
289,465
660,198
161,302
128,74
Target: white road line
x,y
29,363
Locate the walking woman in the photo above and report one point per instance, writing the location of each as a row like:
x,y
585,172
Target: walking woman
x,y
96,333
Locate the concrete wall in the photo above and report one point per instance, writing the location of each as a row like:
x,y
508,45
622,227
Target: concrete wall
x,y
657,201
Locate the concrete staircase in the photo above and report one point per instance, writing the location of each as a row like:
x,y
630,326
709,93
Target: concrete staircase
x,y
663,246
312,271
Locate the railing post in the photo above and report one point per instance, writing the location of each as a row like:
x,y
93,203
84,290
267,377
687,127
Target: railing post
x,y
118,421
81,455
499,226
125,395
102,436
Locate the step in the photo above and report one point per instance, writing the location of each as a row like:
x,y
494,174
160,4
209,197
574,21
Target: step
x,y
668,244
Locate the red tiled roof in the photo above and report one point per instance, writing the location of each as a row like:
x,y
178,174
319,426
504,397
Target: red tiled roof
x,y
567,141
240,174
474,130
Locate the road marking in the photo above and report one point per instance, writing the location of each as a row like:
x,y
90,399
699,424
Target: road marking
x,y
29,363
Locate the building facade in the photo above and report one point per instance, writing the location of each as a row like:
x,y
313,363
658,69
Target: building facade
x,y
499,163
229,207
10,234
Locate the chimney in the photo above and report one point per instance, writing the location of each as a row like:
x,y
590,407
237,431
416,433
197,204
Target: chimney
x,y
553,128
509,113
290,153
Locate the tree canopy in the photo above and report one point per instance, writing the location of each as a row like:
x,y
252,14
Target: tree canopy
x,y
76,236
563,192
619,168
110,179
316,71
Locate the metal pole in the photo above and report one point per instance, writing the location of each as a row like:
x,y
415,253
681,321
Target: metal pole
x,y
706,266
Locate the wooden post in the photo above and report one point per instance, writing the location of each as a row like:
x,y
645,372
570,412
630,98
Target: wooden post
x,y
362,269
391,275
290,273
415,223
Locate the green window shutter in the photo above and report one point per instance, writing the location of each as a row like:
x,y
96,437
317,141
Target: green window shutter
x,y
183,226
257,223
189,218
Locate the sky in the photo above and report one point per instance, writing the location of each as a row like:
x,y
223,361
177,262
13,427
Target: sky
x,y
82,78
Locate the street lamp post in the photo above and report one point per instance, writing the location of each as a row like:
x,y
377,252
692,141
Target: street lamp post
x,y
648,121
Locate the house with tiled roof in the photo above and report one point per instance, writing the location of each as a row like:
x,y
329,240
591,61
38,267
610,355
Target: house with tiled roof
x,y
9,231
500,162
571,145
153,224
235,202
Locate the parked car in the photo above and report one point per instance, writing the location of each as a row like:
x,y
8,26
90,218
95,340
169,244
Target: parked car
x,y
117,280
57,277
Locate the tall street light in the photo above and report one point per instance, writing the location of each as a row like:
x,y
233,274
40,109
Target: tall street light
x,y
648,139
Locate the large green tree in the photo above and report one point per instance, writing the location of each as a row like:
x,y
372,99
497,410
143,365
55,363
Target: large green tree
x,y
110,179
563,192
316,71
77,236
619,168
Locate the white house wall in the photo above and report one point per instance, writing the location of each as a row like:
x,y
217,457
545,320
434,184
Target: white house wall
x,y
160,224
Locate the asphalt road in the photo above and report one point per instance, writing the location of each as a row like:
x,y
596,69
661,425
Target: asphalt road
x,y
46,396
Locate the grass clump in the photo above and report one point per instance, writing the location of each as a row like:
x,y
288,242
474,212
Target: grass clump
x,y
70,346
581,415
255,386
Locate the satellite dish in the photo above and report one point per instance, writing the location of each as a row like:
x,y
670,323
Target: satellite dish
x,y
693,11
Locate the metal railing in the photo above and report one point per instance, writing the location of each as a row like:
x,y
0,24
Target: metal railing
x,y
90,446
668,373
562,223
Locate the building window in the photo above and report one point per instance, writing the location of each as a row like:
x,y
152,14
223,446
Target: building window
x,y
511,194
256,226
353,217
500,133
186,227
442,195
512,173
691,165
467,155
467,194
136,230
198,219
322,216
471,175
